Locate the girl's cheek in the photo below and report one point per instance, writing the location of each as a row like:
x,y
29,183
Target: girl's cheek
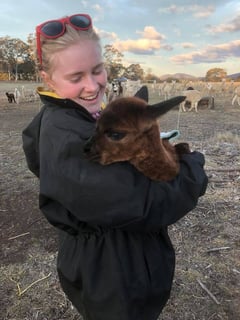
x,y
103,79
68,91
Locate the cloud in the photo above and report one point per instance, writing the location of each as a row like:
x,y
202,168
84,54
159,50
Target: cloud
x,y
196,10
112,36
187,45
175,9
166,47
84,4
202,12
150,32
212,54
97,8
139,46
232,26
147,45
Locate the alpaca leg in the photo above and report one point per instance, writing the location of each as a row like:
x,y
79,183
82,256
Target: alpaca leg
x,y
196,106
234,99
238,101
182,106
191,107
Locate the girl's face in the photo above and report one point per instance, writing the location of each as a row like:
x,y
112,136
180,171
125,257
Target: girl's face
x,y
79,74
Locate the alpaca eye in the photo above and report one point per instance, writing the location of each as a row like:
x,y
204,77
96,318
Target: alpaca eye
x,y
114,135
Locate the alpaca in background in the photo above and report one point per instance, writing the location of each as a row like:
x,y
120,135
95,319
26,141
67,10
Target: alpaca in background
x,y
236,96
193,97
10,97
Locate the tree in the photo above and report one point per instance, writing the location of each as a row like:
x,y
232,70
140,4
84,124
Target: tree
x,y
15,52
31,63
150,76
215,74
30,42
113,61
134,72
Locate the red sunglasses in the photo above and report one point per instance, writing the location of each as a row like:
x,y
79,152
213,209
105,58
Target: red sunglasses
x,y
53,29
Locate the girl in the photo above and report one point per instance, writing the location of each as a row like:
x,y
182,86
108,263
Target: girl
x,y
115,259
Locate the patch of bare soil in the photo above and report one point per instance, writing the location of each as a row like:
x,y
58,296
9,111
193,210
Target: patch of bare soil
x,y
207,240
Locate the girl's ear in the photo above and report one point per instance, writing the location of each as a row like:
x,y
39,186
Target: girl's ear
x,y
46,78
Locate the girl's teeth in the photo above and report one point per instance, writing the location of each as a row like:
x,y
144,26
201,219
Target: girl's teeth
x,y
88,98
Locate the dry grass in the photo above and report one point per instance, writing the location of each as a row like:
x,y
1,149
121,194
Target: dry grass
x,y
226,137
207,240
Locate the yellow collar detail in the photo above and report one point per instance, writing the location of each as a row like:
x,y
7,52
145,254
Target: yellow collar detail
x,y
46,92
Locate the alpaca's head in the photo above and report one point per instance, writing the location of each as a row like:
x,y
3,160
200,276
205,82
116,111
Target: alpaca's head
x,y
121,130
128,129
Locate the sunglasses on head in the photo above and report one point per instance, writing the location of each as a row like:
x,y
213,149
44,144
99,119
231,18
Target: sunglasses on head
x,y
53,29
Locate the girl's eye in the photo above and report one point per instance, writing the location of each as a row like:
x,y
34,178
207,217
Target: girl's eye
x,y
115,136
98,71
75,80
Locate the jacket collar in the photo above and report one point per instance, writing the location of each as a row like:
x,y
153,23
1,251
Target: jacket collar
x,y
53,98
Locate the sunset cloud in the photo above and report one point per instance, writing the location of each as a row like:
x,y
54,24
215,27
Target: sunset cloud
x,y
232,26
139,46
150,32
196,10
212,54
111,36
201,11
149,43
187,45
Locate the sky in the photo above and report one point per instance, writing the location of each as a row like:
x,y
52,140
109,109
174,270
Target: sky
x,y
164,37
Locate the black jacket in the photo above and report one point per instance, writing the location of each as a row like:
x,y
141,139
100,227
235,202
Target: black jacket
x,y
115,261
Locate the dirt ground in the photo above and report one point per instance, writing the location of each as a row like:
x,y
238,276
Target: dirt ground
x,y
207,240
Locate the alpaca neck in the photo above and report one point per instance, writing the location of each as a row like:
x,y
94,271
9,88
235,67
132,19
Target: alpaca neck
x,y
157,160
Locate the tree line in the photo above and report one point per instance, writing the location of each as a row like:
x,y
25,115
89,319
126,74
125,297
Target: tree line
x,y
17,63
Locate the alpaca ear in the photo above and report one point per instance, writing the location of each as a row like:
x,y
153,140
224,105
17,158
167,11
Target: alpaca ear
x,y
158,109
142,93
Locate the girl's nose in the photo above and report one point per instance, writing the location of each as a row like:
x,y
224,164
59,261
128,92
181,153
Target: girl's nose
x,y
91,83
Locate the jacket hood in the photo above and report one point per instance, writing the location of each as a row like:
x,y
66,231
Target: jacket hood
x,y
31,134
30,138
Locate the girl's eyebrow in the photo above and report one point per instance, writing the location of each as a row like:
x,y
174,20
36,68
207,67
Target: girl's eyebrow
x,y
80,73
70,75
100,65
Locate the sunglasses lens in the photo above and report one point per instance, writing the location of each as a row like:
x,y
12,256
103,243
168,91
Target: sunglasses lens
x,y
80,21
52,28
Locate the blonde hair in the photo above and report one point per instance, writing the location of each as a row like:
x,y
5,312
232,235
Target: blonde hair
x,y
50,46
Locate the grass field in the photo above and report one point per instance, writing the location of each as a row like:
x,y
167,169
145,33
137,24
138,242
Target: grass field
x,y
207,241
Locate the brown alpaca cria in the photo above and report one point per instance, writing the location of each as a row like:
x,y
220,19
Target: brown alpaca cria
x,y
128,130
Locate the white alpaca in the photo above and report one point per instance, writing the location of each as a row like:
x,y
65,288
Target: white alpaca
x,y
168,89
192,96
236,96
29,94
17,95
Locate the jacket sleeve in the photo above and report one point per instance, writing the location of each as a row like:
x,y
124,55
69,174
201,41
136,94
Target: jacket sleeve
x,y
113,196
